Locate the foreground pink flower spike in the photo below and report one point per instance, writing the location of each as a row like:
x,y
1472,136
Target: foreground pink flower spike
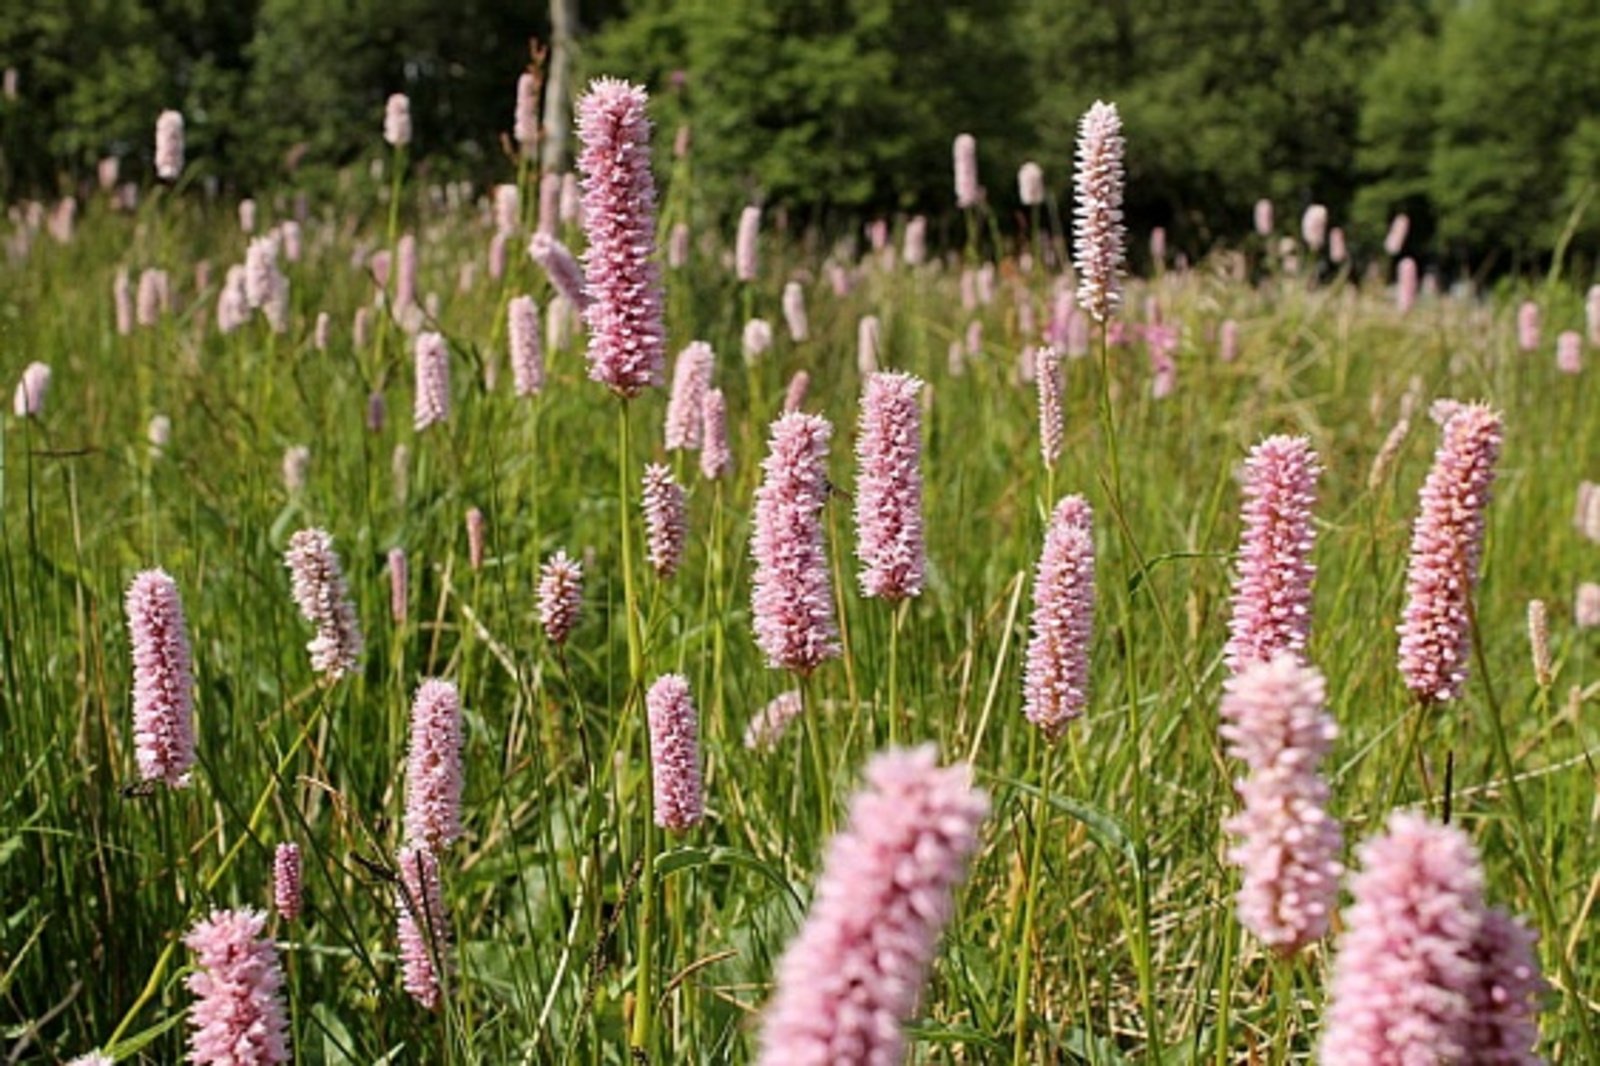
x,y
169,145
1288,845
964,153
238,1015
163,680
433,767
675,753
286,883
28,401
423,926
666,527
626,336
791,600
561,267
432,400
1098,235
560,597
1425,973
319,591
1055,686
888,504
852,976
1446,542
715,458
527,358
772,721
1272,592
691,377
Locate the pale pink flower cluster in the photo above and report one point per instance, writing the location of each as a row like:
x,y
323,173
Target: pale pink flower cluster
x,y
562,268
1446,542
1426,972
769,724
423,926
397,120
287,893
1274,720
527,359
626,333
964,153
665,522
746,263
560,596
238,1014
169,145
1055,686
163,679
691,377
1272,592
1528,326
319,591
1098,252
888,502
433,767
1030,184
794,312
674,753
715,457
852,976
525,117
431,403
791,601
28,401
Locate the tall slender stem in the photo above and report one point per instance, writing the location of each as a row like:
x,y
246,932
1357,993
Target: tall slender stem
x,y
1041,808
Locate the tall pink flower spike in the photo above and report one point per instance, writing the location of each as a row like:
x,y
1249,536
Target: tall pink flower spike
x,y
1446,543
888,504
163,679
791,599
627,337
1272,592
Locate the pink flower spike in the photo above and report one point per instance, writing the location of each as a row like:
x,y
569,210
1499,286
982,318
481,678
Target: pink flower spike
x,y
852,976
318,585
664,518
1288,845
560,597
1056,671
626,334
286,882
1569,352
715,458
476,528
794,397
1404,979
675,753
888,503
561,267
169,145
398,584
433,767
745,256
527,358
691,377
28,402
794,312
1528,326
163,679
791,599
423,926
1272,592
1098,238
772,721
964,153
525,115
1503,1029
1446,543
1047,378
397,120
238,1015
432,400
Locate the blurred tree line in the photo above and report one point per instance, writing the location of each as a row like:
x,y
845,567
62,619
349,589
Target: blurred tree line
x,y
1480,118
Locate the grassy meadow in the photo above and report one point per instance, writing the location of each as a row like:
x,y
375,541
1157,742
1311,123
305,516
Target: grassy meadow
x,y
1138,956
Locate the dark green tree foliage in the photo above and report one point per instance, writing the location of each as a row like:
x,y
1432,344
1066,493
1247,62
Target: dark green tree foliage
x,y
840,104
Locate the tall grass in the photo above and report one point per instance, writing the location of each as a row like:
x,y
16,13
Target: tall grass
x,y
1136,955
